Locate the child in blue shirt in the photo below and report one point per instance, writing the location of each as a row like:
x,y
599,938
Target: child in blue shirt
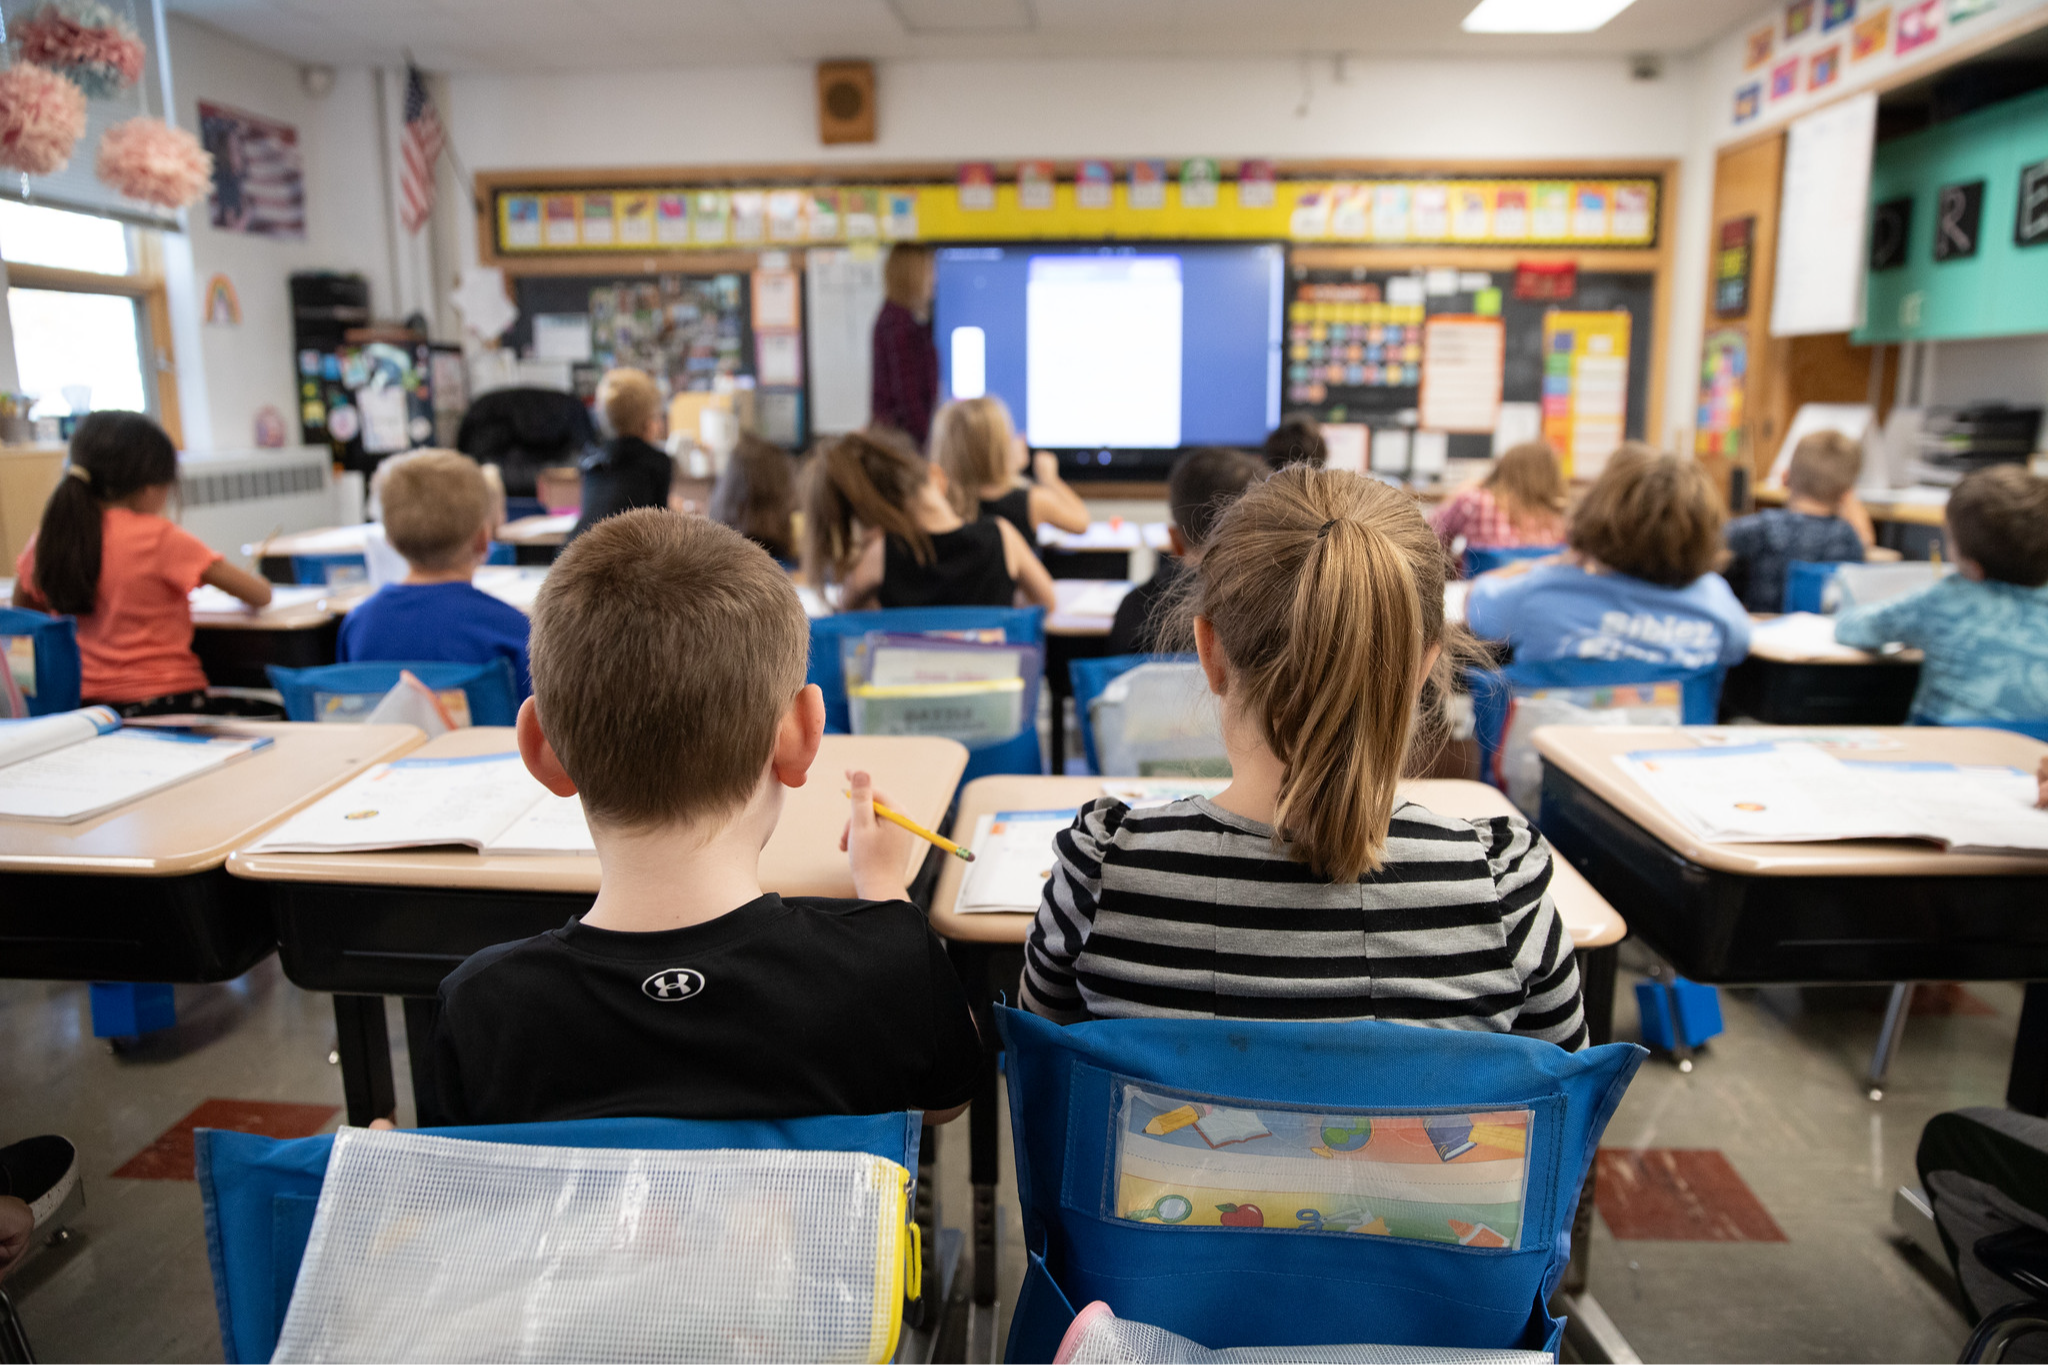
x,y
1636,582
1812,526
437,513
1984,628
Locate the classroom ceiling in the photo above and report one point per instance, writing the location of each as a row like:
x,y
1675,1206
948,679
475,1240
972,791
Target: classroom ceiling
x,y
539,35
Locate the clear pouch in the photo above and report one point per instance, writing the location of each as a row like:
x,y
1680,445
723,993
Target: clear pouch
x,y
1457,1177
428,1248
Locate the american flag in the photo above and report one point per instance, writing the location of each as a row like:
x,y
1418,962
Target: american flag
x,y
421,149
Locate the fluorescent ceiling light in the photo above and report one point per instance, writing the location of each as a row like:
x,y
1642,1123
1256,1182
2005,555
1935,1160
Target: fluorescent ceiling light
x,y
1542,16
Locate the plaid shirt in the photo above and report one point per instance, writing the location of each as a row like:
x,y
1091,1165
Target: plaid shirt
x,y
1474,514
905,386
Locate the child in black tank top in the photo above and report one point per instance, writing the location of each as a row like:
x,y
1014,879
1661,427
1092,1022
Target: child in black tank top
x,y
974,441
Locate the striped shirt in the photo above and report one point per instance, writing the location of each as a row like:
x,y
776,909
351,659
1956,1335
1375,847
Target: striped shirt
x,y
1187,911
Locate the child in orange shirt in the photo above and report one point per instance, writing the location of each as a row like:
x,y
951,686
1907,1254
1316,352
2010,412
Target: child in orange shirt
x,y
106,554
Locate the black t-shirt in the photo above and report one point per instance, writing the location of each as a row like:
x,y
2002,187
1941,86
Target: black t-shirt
x,y
779,1009
969,568
1140,624
627,473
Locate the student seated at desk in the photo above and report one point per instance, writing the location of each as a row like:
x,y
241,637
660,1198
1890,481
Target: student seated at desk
x,y
1983,628
685,991
105,554
630,470
1202,483
1308,888
878,523
437,514
1520,502
1637,582
1297,440
1811,527
756,496
974,441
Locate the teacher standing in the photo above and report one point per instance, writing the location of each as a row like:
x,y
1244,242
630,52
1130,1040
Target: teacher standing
x,y
905,384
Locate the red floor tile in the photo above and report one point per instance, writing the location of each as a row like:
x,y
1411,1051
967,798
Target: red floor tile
x,y
170,1156
1666,1194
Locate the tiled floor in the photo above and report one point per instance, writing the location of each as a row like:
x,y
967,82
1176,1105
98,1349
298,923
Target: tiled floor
x,y
1774,1109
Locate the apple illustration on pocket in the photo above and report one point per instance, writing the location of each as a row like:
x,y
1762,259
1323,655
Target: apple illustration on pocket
x,y
1241,1216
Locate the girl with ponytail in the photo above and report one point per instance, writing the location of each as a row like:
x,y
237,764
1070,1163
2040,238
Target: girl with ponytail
x,y
877,523
105,554
1310,888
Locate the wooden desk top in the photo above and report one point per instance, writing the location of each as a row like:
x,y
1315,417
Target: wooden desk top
x,y
918,775
543,530
323,540
1591,921
1910,506
291,608
1588,753
1066,620
193,826
1776,651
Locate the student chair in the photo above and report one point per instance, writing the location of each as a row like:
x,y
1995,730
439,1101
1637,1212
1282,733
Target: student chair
x,y
53,643
1806,584
331,569
259,1194
349,692
1479,561
1274,1184
1019,625
1088,678
1494,691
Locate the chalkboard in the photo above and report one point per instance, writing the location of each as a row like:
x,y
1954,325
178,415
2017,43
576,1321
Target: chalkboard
x,y
1522,321
684,328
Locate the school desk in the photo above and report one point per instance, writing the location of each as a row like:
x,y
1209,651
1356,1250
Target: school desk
x,y
986,947
1908,520
141,894
273,554
1077,628
1106,549
537,540
297,630
1780,684
1840,912
368,925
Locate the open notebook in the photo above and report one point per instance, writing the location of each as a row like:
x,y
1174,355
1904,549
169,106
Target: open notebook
x,y
78,764
488,802
1798,793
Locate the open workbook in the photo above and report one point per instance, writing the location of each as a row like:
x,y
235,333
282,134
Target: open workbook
x,y
1013,849
78,764
488,802
1778,793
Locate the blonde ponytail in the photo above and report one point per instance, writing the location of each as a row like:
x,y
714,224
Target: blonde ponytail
x,y
974,441
1325,592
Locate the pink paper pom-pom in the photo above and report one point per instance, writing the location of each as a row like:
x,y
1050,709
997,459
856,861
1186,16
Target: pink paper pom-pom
x,y
147,159
86,41
42,116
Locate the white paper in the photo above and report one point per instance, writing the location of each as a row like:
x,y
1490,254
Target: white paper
x,y
910,666
1515,424
1094,597
1405,289
561,336
1428,454
1455,592
845,290
422,803
553,824
82,780
1100,535
1441,281
514,585
208,600
1821,261
24,739
1346,444
1801,635
385,428
333,540
1850,419
1390,450
775,299
1140,792
1013,858
1462,367
776,358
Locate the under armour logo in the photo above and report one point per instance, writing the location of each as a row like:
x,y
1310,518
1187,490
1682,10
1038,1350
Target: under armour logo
x,y
673,983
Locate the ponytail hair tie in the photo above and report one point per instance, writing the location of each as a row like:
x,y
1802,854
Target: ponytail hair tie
x,y
80,473
1326,527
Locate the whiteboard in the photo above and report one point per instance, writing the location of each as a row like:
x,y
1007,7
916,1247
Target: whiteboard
x,y
1818,280
844,292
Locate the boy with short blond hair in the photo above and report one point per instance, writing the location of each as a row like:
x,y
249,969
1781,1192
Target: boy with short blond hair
x,y
685,991
1983,630
439,511
631,470
1819,484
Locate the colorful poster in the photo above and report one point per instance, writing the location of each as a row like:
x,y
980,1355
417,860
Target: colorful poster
x,y
1035,185
1552,218
1312,213
1732,259
636,219
1511,213
1919,25
597,220
1390,213
1959,10
1463,361
1432,213
1825,66
1757,51
1749,102
1631,213
672,219
1148,185
977,186
749,215
259,187
1585,387
1798,18
899,223
1468,213
785,215
522,221
1872,32
1835,13
861,208
1785,78
1255,184
1723,367
711,218
1351,211
1198,180
1094,185
823,216
560,211
1589,212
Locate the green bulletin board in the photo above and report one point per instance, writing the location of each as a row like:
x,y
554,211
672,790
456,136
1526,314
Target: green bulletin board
x,y
2001,289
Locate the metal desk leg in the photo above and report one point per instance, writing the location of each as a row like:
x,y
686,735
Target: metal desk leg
x,y
365,1048
1890,1036
1596,993
971,960
2027,1090
422,1015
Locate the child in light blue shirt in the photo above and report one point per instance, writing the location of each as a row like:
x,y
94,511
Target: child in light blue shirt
x,y
1636,583
1984,628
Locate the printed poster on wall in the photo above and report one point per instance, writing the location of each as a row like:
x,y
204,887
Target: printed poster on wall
x,y
1463,360
1723,367
1035,185
1585,387
977,186
1255,184
559,213
636,219
671,219
1872,32
1094,185
597,220
1198,181
259,187
1148,185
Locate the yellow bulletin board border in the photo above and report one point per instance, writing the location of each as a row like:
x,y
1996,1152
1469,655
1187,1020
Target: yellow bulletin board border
x,y
1575,212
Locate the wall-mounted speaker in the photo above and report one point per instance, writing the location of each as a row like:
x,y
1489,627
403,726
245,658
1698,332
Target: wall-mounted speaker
x,y
846,102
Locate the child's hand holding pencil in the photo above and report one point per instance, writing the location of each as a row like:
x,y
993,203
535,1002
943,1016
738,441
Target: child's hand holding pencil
x,y
874,842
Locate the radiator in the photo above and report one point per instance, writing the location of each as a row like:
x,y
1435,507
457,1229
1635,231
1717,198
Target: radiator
x,y
232,499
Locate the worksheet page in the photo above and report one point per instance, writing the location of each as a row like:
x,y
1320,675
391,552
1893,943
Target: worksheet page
x,y
1103,351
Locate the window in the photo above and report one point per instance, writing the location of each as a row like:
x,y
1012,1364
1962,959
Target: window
x,y
86,301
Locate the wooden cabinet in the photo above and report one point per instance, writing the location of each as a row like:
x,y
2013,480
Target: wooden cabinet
x,y
27,474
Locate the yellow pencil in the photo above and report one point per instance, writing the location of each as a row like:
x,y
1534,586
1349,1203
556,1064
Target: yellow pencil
x,y
898,818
